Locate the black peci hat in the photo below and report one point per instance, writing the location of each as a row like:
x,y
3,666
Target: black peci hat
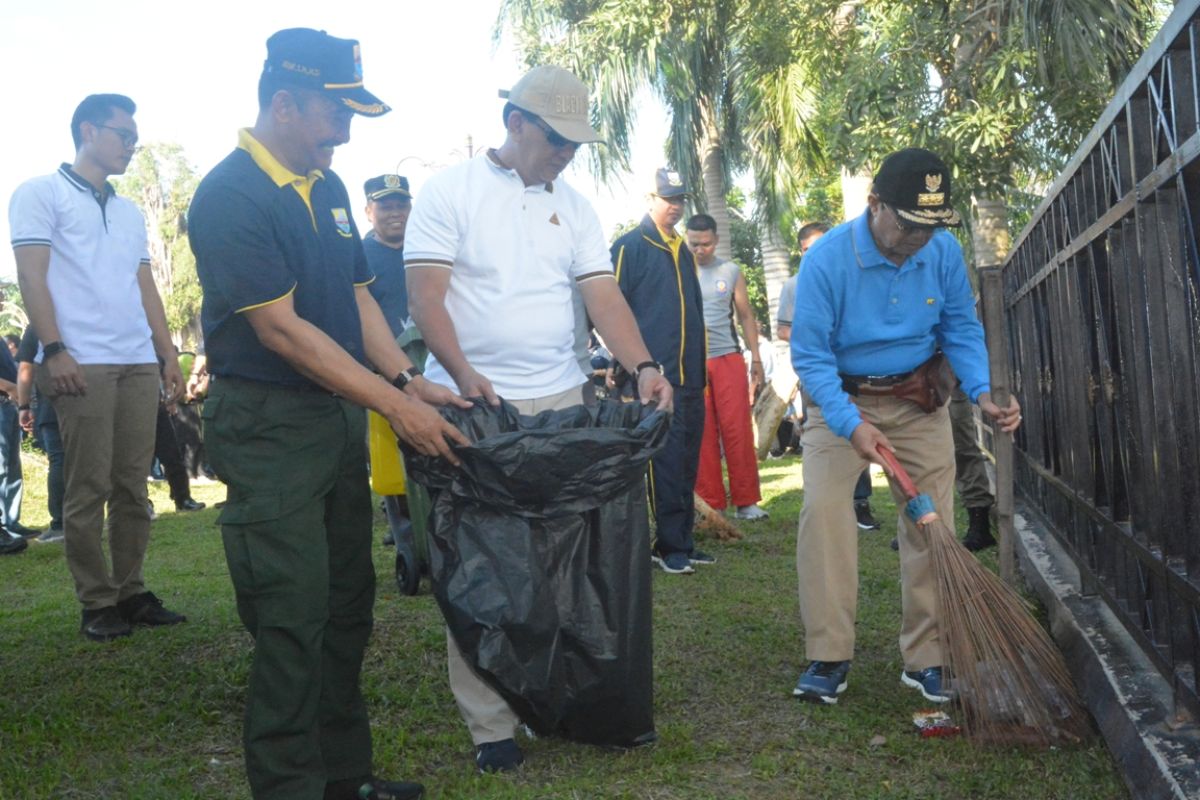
x,y
312,59
916,184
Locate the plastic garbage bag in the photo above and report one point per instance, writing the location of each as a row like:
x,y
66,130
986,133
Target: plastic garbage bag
x,y
539,555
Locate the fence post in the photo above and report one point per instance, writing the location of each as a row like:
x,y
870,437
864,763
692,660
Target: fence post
x,y
992,292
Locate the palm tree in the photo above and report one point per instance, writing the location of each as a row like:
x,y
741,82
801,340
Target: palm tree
x,y
725,69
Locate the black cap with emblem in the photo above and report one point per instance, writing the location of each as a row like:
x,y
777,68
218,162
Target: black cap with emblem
x,y
915,183
383,185
668,183
312,59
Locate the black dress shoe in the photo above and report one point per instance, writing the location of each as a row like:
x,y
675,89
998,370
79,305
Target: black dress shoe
x,y
104,624
11,544
188,505
146,609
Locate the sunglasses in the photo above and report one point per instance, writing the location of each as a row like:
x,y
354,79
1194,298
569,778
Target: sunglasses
x,y
129,139
553,137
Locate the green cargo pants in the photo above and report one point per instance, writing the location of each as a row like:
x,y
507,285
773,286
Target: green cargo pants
x,y
297,534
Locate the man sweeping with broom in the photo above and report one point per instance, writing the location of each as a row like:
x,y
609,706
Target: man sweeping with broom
x,y
882,302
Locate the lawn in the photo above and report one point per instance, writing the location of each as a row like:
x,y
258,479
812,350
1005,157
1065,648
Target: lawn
x,y
158,716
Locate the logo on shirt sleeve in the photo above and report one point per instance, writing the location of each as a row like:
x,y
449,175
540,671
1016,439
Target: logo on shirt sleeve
x,y
342,220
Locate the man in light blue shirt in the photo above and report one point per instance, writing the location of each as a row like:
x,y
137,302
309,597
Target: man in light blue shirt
x,y
879,297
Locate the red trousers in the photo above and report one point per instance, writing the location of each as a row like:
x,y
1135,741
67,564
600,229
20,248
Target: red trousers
x,y
727,426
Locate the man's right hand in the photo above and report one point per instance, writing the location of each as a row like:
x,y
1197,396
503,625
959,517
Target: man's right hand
x,y
473,384
66,376
866,440
422,427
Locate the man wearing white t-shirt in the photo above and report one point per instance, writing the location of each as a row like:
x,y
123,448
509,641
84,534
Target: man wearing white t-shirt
x,y
492,253
84,271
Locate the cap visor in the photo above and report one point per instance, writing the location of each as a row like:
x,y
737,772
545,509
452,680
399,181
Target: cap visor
x,y
573,130
360,101
388,193
929,218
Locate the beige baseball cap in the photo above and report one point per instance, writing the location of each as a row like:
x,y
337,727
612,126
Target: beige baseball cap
x,y
559,98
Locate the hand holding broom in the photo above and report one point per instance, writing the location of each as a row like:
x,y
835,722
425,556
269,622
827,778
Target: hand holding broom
x,y
1007,674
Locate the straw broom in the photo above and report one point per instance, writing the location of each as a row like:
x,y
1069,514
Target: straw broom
x,y
1007,674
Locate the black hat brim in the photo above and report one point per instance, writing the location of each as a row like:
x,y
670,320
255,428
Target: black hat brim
x,y
360,101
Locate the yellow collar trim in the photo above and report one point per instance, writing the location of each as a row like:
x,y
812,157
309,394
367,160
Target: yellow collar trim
x,y
271,165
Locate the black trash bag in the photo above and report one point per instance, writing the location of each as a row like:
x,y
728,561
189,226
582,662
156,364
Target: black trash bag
x,y
539,556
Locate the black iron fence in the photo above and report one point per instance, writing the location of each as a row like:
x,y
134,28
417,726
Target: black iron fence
x,y
1102,294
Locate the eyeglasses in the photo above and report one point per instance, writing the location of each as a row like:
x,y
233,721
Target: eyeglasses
x,y
129,139
904,227
553,137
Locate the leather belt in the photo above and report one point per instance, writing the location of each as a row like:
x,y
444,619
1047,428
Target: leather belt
x,y
873,385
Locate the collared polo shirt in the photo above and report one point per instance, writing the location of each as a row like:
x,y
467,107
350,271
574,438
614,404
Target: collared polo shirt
x,y
389,288
514,252
262,233
859,314
97,244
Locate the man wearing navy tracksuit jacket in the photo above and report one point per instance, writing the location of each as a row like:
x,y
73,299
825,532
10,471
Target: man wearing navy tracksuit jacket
x,y
658,277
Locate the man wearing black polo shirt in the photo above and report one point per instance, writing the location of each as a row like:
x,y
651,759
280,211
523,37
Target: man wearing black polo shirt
x,y
388,205
288,326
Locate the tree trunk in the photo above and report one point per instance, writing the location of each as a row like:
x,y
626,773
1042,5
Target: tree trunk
x,y
776,269
989,232
714,182
855,187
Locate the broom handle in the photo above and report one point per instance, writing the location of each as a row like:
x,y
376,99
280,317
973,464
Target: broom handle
x,y
906,483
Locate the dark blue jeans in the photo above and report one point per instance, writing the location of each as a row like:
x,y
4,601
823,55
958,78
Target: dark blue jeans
x,y
56,483
862,489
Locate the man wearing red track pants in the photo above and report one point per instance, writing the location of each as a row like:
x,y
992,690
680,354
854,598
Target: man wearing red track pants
x,y
727,398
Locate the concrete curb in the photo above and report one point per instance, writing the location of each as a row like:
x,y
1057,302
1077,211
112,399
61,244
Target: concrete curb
x,y
1158,754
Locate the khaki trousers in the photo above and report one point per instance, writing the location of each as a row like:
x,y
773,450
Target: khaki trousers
x,y
827,540
108,436
488,716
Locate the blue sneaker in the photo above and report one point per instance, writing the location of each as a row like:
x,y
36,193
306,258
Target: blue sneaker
x,y
822,682
701,557
673,563
929,681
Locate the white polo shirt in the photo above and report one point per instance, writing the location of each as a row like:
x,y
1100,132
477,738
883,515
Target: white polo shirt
x,y
514,252
97,243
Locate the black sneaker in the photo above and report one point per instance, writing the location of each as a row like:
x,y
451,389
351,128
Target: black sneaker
x,y
104,624
979,531
862,514
501,756
10,543
373,789
22,530
188,504
146,609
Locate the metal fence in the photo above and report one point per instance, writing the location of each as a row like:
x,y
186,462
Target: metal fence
x,y
1102,296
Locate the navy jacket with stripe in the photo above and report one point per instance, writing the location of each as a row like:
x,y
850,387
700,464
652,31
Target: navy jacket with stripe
x,y
664,294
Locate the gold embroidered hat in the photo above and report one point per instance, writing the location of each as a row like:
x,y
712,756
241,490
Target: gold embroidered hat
x,y
558,98
310,59
915,183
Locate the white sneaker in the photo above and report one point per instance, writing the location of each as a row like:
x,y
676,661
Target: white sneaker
x,y
750,512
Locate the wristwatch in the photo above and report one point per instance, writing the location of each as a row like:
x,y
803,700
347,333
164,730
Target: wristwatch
x,y
53,349
404,378
648,364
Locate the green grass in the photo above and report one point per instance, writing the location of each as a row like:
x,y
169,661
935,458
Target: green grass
x,y
158,716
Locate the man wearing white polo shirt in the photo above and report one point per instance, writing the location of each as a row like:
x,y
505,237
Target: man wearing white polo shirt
x,y
84,271
492,253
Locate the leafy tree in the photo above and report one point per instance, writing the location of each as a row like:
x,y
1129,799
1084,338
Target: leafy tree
x,y
1002,89
13,318
162,181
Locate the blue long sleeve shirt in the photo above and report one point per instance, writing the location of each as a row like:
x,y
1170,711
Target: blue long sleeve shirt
x,y
857,313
